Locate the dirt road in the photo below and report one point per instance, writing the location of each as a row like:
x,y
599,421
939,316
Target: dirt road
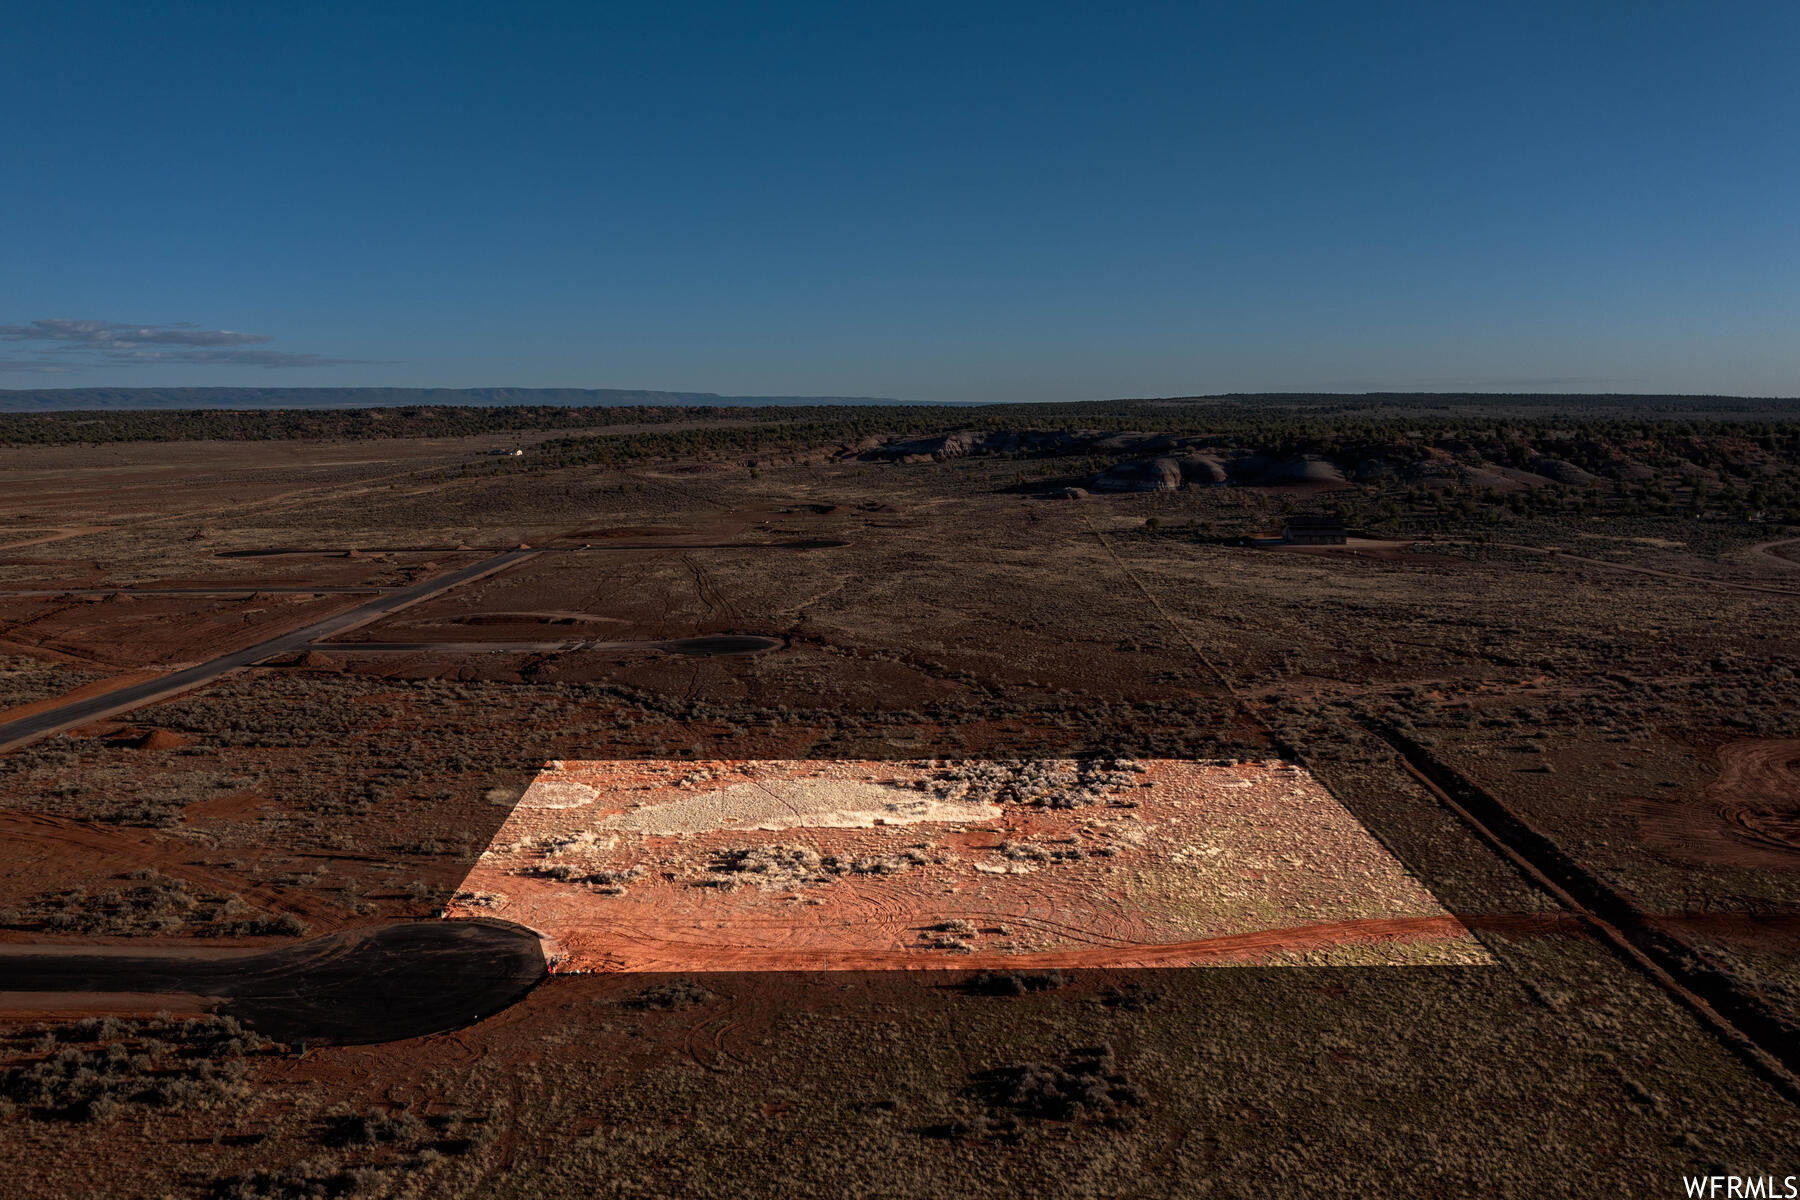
x,y
1552,552
1766,552
703,647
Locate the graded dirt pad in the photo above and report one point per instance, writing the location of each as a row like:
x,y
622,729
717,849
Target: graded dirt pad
x,y
789,865
1748,817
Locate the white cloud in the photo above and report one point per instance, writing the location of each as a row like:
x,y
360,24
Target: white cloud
x,y
87,344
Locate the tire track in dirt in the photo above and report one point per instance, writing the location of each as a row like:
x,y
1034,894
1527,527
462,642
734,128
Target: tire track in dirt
x,y
58,535
708,591
1748,816
1758,791
705,1043
693,956
1551,552
1079,933
687,490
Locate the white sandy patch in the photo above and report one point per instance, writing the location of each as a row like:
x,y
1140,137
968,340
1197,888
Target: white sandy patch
x,y
797,804
557,794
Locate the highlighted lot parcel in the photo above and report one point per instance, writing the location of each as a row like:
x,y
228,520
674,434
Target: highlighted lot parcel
x,y
944,864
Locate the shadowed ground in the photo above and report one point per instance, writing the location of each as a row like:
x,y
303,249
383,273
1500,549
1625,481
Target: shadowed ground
x,y
376,985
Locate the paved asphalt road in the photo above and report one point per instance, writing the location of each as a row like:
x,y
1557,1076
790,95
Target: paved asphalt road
x,y
363,985
79,712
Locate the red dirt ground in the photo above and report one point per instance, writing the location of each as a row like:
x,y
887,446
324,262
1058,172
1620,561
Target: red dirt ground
x,y
1752,818
633,866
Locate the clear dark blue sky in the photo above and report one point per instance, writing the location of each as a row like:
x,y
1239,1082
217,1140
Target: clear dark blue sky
x,y
933,201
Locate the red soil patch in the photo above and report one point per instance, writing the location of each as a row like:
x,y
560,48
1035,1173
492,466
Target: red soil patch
x,y
1748,817
52,854
789,865
160,739
234,806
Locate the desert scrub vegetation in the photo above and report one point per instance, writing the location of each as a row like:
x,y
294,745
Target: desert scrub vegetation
x,y
1086,1087
107,781
782,867
277,712
1013,983
102,1067
669,994
26,680
320,1178
435,413
1043,783
521,722
371,1152
144,902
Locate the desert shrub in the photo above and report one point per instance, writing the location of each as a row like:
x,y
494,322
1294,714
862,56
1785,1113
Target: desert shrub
x,y
144,902
1131,998
1087,1084
377,1127
1014,983
96,1068
676,993
1046,783
312,1179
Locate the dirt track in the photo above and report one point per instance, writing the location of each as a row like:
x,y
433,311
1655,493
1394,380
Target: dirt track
x,y
1258,947
705,647
1766,552
1552,552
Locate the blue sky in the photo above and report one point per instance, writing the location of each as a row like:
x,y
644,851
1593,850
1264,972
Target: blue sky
x,y
928,201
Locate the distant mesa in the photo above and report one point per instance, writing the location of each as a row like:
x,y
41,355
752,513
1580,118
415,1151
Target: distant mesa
x,y
1159,474
1296,469
64,399
1147,461
1562,472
